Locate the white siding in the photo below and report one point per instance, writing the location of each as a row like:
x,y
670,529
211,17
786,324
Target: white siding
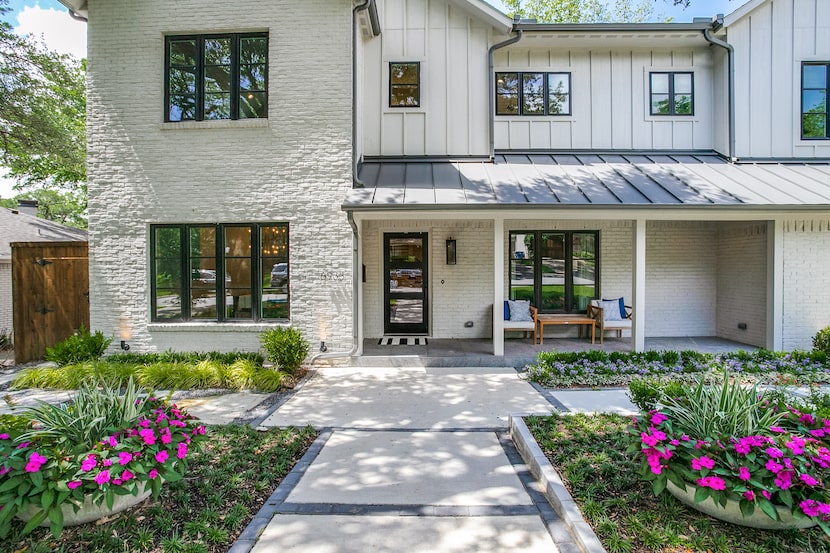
x,y
806,281
295,166
452,49
770,44
610,103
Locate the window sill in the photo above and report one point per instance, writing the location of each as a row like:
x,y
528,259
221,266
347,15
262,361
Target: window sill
x,y
241,326
259,123
515,117
680,118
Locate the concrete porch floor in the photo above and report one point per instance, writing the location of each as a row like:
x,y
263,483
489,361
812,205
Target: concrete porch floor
x,y
519,352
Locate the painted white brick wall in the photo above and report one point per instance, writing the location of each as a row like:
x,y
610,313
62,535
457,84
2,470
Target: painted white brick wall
x,y
806,281
681,278
6,316
742,282
294,167
457,293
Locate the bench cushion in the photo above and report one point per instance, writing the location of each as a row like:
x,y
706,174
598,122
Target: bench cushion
x,y
625,323
519,325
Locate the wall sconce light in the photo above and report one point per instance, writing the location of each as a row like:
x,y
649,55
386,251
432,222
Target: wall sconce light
x,y
124,345
323,348
451,252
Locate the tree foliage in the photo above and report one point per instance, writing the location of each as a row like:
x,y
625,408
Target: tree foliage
x,y
42,123
585,11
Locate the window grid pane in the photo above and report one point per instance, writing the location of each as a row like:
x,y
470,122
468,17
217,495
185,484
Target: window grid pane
x,y
533,93
671,93
507,93
815,89
404,84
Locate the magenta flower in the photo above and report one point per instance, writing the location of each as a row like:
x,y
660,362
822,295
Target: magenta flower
x,y
181,452
774,452
152,474
124,457
127,475
658,418
777,429
148,435
766,494
703,462
714,482
809,507
648,439
784,479
817,433
4,436
89,463
72,484
161,456
102,477
107,462
807,419
796,445
773,467
36,460
742,447
166,438
750,495
809,480
743,474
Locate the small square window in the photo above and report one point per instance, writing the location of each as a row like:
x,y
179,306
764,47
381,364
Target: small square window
x,y
671,93
404,85
815,88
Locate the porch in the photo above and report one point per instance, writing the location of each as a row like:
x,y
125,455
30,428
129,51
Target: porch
x,y
518,352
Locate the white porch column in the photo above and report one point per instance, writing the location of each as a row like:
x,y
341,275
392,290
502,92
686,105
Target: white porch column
x,y
638,286
498,286
775,285
358,276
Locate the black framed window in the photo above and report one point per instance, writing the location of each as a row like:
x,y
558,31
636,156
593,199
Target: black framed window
x,y
815,88
216,77
672,93
404,84
533,93
557,271
225,272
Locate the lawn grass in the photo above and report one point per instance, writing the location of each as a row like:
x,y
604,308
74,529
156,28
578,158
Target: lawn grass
x,y
588,451
226,484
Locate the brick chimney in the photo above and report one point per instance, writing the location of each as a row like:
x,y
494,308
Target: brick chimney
x,y
27,207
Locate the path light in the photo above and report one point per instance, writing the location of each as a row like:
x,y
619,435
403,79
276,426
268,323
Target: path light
x,y
323,348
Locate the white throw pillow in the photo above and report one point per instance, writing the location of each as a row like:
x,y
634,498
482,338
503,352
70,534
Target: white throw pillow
x,y
610,310
520,311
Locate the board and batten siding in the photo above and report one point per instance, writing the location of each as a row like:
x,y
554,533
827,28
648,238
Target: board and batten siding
x,y
770,44
610,101
451,47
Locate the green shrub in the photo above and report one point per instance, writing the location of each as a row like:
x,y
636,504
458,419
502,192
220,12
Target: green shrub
x,y
81,346
184,357
645,393
821,341
285,347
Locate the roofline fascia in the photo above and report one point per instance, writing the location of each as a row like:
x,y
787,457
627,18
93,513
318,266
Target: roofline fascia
x,y
493,16
610,27
741,11
738,208
78,9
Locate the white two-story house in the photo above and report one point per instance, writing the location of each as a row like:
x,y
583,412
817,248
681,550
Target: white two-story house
x,y
398,167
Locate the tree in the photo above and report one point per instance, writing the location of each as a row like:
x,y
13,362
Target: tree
x,y
42,123
585,11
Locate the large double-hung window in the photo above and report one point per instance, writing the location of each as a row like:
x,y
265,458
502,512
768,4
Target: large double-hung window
x,y
216,77
225,272
558,271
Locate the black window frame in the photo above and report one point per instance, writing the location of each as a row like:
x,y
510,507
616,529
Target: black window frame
x,y
672,107
416,84
826,90
185,268
569,306
200,39
546,93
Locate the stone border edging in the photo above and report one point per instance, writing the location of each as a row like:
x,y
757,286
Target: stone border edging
x,y
256,424
553,487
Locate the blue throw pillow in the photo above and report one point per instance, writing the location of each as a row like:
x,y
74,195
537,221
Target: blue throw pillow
x,y
506,311
623,314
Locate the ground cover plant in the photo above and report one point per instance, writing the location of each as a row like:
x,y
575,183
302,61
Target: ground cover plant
x,y
589,452
600,368
163,371
228,481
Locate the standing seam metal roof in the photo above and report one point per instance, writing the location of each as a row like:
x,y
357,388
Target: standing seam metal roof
x,y
593,179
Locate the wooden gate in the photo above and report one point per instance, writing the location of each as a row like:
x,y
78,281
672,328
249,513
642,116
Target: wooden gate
x,y
50,294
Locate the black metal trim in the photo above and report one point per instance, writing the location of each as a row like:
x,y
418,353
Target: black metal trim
x,y
672,107
826,100
403,328
417,83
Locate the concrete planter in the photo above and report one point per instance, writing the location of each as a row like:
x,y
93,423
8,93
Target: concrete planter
x,y
732,512
88,511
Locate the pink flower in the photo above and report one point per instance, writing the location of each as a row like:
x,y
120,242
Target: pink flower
x,y
117,482
166,438
111,441
200,430
818,433
742,447
774,452
161,456
796,445
766,494
124,457
713,482
658,418
36,460
648,439
4,436
127,475
89,463
807,419
675,442
152,474
743,474
807,479
3,470
749,495
703,463
72,484
144,423
102,477
107,462
784,479
777,429
181,452
810,507
148,435
773,467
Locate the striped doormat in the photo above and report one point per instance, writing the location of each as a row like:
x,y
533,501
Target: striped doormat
x,y
403,341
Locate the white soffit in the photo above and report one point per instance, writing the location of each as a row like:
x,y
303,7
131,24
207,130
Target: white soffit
x,y
486,13
742,11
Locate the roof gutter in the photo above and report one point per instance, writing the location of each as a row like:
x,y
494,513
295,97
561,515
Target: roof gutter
x,y
375,24
76,16
491,110
730,56
530,25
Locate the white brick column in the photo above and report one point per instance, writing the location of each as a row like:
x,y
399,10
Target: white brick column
x,y
638,272
498,286
775,285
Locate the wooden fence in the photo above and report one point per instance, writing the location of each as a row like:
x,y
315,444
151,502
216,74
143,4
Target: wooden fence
x,y
50,294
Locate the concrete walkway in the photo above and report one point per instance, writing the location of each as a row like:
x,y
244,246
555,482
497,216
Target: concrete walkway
x,y
414,459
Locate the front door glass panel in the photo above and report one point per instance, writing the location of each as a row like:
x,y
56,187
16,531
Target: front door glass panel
x,y
406,291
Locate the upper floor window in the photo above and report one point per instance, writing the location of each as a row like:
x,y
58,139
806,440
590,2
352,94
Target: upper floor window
x,y
533,93
216,77
404,85
672,93
815,87
226,272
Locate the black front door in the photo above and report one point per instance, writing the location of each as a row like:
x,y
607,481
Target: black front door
x,y
405,271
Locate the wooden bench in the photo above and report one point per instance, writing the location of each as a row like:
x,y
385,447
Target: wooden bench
x,y
577,319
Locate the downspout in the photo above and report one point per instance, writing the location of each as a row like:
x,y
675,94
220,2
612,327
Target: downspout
x,y
730,56
357,183
491,110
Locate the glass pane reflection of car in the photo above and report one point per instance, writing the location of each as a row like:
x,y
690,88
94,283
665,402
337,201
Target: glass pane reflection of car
x,y
279,275
206,276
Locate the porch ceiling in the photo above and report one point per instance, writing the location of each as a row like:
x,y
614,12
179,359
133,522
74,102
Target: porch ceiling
x,y
590,180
